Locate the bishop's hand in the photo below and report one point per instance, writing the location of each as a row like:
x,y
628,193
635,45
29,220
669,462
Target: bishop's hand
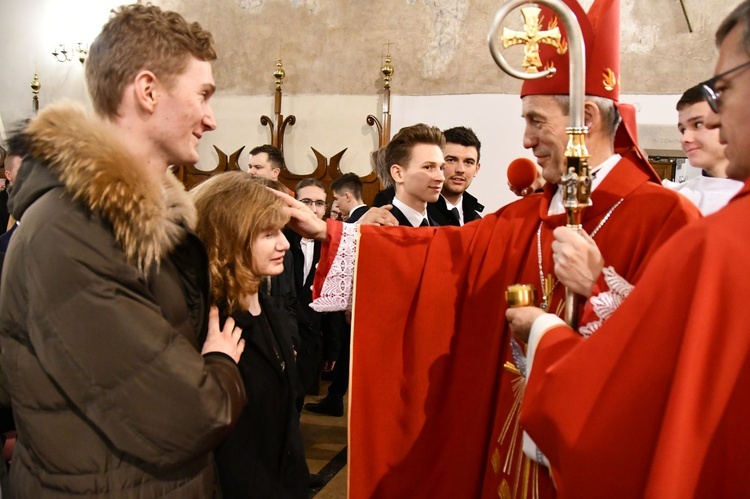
x,y
302,219
578,261
520,320
378,216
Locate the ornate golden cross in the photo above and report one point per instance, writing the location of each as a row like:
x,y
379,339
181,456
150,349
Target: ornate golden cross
x,y
531,37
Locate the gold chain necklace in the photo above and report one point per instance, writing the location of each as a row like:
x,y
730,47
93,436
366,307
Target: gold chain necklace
x,y
548,283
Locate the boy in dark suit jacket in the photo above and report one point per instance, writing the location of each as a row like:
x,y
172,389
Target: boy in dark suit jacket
x,y
347,191
414,161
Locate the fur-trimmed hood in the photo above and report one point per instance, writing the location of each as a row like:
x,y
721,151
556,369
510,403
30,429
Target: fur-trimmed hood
x,y
148,215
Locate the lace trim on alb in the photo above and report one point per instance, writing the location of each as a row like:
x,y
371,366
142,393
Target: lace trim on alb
x,y
604,304
336,293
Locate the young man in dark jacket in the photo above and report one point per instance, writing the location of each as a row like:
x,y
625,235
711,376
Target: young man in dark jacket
x,y
104,298
455,206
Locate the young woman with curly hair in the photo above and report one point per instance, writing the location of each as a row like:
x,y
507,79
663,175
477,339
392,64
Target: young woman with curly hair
x,y
240,222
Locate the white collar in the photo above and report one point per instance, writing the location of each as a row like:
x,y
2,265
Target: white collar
x,y
450,205
413,216
458,206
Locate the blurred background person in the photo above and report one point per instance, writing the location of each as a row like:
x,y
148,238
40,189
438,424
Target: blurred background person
x,y
347,196
711,190
335,213
265,161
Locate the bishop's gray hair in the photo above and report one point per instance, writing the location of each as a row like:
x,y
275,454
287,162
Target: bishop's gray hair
x,y
610,115
741,14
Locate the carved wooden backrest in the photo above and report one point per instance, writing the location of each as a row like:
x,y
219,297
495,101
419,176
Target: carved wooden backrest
x,y
327,171
190,176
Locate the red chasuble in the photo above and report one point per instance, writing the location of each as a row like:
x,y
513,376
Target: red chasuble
x,y
429,395
656,403
630,218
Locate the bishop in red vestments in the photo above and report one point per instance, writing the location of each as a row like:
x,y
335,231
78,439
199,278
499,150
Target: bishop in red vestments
x,y
433,409
655,403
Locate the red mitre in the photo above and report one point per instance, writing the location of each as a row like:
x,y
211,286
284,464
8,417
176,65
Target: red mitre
x,y
601,35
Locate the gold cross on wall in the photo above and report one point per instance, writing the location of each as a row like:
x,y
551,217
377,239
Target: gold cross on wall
x,y
531,37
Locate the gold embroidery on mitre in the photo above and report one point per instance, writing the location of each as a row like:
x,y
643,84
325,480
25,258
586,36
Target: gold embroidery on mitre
x,y
610,80
496,460
549,65
562,46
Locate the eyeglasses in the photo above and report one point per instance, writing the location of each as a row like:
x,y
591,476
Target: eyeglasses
x,y
708,87
309,203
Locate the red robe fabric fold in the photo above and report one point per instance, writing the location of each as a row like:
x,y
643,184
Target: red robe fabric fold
x,y
429,393
424,310
656,402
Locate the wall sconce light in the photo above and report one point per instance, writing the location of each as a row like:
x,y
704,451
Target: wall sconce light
x,y
78,52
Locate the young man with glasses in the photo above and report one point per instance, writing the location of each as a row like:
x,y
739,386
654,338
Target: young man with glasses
x,y
320,334
656,401
335,212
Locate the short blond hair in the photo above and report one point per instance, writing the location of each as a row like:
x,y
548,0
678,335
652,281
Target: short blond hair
x,y
136,38
233,209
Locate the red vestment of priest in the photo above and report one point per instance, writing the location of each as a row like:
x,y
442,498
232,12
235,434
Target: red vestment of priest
x,y
656,403
429,392
634,229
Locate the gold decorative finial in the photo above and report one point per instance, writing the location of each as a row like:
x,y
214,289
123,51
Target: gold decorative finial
x,y
387,68
36,84
279,74
531,36
35,87
277,129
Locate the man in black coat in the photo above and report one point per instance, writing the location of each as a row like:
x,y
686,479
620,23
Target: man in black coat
x,y
320,334
455,206
347,191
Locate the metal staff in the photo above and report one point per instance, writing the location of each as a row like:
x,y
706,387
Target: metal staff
x,y
576,180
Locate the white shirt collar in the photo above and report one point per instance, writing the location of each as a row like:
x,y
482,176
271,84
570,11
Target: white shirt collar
x,y
459,206
413,216
308,252
598,173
